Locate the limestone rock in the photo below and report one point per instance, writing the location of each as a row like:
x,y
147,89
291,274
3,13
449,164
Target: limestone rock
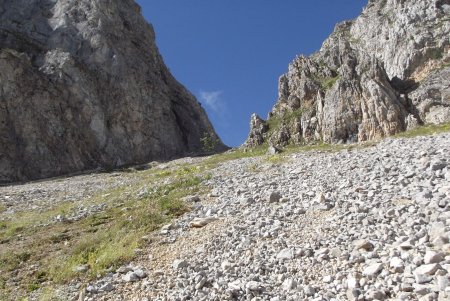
x,y
373,269
201,222
258,128
380,74
83,86
179,264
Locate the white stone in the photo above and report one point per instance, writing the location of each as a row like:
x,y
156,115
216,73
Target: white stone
x,y
286,254
179,264
253,286
427,269
130,277
201,222
373,269
433,257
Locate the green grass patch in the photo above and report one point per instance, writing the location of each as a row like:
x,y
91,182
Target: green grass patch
x,y
24,223
437,53
10,261
276,159
100,251
253,167
275,122
112,236
213,161
425,130
102,241
33,287
327,83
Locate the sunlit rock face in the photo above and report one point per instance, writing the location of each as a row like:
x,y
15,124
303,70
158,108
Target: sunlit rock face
x,y
380,74
83,86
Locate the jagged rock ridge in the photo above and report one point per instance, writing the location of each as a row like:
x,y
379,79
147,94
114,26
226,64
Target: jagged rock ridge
x,y
380,74
83,86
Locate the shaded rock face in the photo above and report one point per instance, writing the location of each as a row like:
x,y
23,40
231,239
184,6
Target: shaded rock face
x,y
383,73
82,86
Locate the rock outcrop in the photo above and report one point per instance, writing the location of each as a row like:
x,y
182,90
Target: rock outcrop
x,y
380,74
82,86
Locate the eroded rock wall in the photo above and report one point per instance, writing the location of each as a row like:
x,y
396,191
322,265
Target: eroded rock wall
x,y
375,76
82,86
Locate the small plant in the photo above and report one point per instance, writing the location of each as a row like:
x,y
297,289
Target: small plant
x,y
328,82
209,143
253,167
437,54
353,40
425,130
10,261
275,122
33,287
276,159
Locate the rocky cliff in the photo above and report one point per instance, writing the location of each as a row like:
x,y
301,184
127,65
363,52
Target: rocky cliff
x,y
82,85
380,74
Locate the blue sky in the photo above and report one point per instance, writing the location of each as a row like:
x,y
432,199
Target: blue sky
x,y
230,53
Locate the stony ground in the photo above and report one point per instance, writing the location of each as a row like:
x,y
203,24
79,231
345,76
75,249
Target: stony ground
x,y
358,224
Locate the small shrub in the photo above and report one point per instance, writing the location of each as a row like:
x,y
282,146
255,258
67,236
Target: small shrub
x,y
33,287
209,143
437,54
10,261
328,82
276,159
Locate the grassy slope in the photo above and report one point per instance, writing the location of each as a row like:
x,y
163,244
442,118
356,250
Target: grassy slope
x,y
103,241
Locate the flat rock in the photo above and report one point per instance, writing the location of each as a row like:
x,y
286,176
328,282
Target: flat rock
x,y
286,254
179,264
373,269
253,286
363,244
433,257
130,277
427,269
201,222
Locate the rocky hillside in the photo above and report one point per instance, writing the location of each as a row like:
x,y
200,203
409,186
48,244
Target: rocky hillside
x,y
82,86
356,224
380,74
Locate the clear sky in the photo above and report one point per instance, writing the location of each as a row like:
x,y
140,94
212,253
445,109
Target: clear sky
x,y
230,53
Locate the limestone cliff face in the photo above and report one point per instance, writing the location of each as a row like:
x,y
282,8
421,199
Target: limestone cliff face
x,y
375,76
82,85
